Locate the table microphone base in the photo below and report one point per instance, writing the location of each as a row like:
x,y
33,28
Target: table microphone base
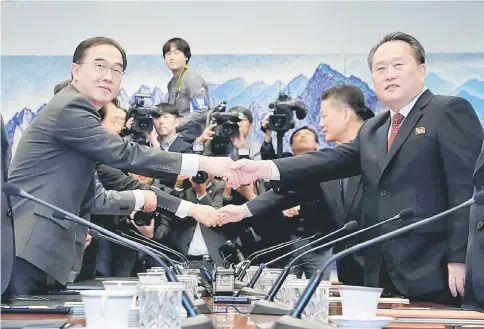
x,y
239,284
251,292
202,307
269,308
198,322
288,322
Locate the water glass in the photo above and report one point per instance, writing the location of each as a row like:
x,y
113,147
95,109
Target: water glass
x,y
160,305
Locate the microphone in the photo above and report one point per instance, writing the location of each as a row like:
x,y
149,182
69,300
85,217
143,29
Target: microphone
x,y
194,320
256,237
172,262
267,306
293,319
163,247
249,290
251,257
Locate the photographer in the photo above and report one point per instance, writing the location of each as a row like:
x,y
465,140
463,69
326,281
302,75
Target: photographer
x,y
238,143
166,119
199,243
187,90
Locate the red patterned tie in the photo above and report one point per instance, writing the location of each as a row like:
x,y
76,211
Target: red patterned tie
x,y
396,121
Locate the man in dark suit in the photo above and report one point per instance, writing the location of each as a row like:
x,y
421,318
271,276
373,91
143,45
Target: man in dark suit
x,y
420,155
55,160
343,111
474,281
198,242
8,244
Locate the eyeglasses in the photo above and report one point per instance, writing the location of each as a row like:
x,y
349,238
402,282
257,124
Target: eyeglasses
x,y
103,68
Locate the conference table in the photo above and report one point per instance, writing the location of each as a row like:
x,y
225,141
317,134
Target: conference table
x,y
235,320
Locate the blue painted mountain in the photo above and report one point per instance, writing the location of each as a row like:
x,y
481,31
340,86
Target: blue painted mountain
x,y
270,94
438,85
296,86
472,87
230,89
257,96
212,87
157,95
250,93
476,102
18,123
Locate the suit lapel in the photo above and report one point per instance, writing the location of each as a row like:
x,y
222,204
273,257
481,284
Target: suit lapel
x,y
480,160
382,141
331,191
407,127
351,190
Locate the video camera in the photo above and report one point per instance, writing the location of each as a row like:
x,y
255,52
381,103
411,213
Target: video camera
x,y
140,111
143,218
283,117
227,128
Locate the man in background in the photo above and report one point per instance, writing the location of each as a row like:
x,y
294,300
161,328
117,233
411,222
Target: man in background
x,y
187,90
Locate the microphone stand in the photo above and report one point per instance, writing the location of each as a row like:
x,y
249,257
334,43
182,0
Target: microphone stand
x,y
95,234
239,284
173,263
249,290
165,248
268,306
195,320
293,319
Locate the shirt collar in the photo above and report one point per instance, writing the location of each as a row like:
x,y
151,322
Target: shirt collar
x,y
167,144
407,108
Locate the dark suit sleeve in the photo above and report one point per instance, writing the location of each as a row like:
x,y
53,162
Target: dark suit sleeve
x,y
460,139
321,166
114,179
78,127
270,201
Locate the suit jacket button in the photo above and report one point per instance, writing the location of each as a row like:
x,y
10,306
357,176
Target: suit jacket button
x,y
383,193
480,225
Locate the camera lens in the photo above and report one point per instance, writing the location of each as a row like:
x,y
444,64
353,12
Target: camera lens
x,y
201,177
142,218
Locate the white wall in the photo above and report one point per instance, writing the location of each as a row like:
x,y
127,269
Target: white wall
x,y
247,27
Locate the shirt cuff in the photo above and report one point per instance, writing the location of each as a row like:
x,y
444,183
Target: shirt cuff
x,y
201,197
140,199
249,214
183,209
190,164
276,175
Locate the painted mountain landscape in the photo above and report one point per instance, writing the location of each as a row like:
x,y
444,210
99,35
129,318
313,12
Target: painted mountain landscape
x,y
253,81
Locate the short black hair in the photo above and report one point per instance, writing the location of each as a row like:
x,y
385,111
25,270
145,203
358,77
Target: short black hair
x,y
316,137
351,96
81,49
165,108
244,111
180,45
61,86
102,111
418,49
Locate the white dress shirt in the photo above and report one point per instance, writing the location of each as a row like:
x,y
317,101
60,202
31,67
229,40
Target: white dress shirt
x,y
198,246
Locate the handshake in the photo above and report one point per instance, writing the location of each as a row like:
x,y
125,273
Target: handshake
x,y
235,174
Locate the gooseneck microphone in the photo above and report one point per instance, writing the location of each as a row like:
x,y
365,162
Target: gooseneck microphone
x,y
293,319
194,320
163,247
267,306
318,237
249,290
241,272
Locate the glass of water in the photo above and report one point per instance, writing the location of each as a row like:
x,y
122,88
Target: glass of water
x,y
160,305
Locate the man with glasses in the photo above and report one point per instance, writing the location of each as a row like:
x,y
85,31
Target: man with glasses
x,y
55,161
